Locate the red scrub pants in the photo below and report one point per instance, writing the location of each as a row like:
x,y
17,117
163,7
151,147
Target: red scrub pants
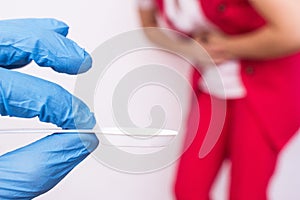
x,y
242,141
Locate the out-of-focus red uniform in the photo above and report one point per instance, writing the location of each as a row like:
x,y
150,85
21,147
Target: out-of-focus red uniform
x,y
257,126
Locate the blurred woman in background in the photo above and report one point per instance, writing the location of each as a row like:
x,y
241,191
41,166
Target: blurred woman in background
x,y
255,45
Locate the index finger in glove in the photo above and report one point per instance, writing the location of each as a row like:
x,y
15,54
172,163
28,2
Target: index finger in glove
x,y
26,96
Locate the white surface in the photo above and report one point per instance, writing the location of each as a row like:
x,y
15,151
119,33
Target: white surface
x,y
92,22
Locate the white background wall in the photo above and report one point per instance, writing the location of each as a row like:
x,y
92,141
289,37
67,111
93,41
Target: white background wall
x,y
91,23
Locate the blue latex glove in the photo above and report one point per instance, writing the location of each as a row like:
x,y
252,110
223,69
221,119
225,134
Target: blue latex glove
x,y
34,169
41,40
44,41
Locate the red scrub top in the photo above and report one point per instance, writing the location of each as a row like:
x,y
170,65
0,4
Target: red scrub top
x,y
273,86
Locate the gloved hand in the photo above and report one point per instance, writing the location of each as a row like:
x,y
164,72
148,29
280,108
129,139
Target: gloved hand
x,y
32,170
41,40
44,41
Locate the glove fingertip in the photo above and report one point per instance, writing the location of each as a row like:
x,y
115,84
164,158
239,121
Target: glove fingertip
x,y
88,123
75,65
77,115
86,63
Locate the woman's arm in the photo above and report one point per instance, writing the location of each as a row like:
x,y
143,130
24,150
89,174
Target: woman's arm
x,y
186,47
279,37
